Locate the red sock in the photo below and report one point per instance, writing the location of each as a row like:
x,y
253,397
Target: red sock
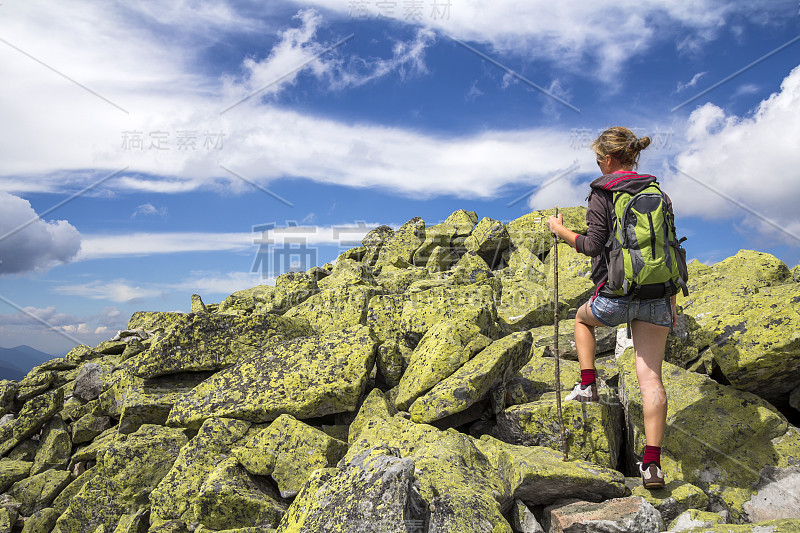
x,y
588,377
652,454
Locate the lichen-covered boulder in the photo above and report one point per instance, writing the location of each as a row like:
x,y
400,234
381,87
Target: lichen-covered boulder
x,y
347,272
531,231
37,492
63,500
34,414
575,285
489,238
494,365
390,361
209,342
464,221
523,520
373,241
12,471
231,498
605,339
55,448
469,303
464,480
179,489
8,519
395,281
80,353
150,401
402,244
335,308
437,236
373,491
440,352
41,521
750,309
88,427
127,471
717,437
34,384
694,518
307,377
524,305
625,515
289,451
674,499
8,391
254,299
470,268
152,321
593,431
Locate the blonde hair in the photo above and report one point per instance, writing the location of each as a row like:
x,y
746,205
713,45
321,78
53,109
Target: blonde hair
x,y
621,144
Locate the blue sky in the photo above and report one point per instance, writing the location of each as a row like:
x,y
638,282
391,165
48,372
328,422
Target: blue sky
x,y
150,141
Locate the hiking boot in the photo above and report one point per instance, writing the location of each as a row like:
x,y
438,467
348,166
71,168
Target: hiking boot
x,y
585,395
652,476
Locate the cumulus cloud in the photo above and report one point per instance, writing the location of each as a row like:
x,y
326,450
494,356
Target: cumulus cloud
x,y
29,243
746,166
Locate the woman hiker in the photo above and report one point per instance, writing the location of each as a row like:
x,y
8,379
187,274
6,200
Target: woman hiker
x,y
617,151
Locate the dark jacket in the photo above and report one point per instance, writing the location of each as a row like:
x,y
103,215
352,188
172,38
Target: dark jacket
x,y
600,217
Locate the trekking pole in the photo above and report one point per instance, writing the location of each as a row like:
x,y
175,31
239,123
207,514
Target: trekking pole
x,y
555,343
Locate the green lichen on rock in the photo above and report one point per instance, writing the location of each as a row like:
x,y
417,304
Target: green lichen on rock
x,y
347,272
335,308
55,448
788,525
37,492
307,377
469,303
209,342
179,489
373,491
694,518
150,401
575,285
88,427
401,245
472,382
489,239
524,304
674,499
440,352
289,451
593,431
717,437
63,500
531,232
127,471
436,246
34,414
395,280
748,309
250,300
42,521
12,471
231,498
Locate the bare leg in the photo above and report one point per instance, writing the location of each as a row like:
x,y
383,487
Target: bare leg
x,y
648,343
585,322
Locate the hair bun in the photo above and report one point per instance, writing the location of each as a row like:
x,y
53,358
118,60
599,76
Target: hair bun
x,y
641,143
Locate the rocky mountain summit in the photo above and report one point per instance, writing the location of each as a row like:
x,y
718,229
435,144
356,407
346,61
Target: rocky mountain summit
x,y
410,387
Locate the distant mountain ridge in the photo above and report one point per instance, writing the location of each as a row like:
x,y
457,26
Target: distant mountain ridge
x,y
16,362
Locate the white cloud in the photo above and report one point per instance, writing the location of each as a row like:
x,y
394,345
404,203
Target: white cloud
x,y
142,244
29,243
149,209
115,291
752,160
692,83
600,35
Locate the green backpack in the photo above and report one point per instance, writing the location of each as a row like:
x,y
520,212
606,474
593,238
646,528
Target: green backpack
x,y
645,260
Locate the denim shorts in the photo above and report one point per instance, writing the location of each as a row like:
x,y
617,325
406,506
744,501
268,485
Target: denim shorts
x,y
615,311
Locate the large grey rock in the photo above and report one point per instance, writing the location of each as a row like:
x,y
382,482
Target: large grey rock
x,y
374,490
624,515
308,377
777,496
